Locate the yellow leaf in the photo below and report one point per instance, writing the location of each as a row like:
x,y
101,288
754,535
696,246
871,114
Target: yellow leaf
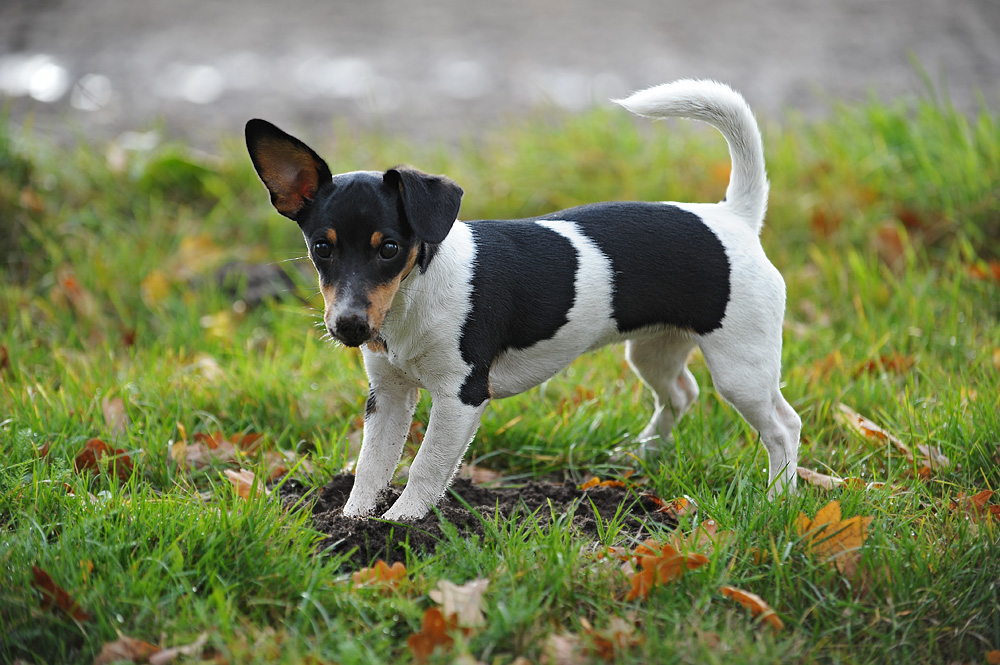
x,y
154,288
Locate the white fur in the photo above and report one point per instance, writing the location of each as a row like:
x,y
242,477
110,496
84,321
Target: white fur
x,y
424,327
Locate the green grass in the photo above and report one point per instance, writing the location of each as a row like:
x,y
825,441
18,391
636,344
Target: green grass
x,y
881,217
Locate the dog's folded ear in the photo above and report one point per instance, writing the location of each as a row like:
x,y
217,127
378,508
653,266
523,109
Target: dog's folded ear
x,y
431,202
290,169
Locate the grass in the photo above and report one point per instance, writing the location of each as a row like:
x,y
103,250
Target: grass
x,y
883,220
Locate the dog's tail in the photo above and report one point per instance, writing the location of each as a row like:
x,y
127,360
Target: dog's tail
x,y
725,109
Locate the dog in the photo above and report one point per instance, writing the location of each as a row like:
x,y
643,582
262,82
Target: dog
x,y
477,311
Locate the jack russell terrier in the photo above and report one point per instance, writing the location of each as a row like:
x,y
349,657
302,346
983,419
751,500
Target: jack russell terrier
x,y
476,311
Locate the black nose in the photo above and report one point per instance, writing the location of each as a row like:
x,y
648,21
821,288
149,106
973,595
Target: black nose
x,y
351,330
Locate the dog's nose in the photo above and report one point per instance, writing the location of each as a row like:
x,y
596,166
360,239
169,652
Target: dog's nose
x,y
351,330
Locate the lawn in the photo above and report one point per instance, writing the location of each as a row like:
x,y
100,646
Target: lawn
x,y
115,324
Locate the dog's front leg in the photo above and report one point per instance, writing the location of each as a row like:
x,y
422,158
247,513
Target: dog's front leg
x,y
450,430
388,414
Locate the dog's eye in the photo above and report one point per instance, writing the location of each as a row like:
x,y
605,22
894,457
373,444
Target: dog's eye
x,y
388,249
322,249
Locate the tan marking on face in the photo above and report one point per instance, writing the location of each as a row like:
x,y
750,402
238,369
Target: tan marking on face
x,y
381,296
377,345
331,235
377,239
329,297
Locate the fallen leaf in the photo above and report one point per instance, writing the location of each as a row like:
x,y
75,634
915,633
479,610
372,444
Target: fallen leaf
x,y
245,482
683,506
931,457
895,363
168,655
832,539
477,474
610,642
89,459
597,482
463,603
660,563
818,479
115,415
79,298
993,657
154,288
4,359
976,506
125,648
433,634
757,606
55,596
562,649
381,574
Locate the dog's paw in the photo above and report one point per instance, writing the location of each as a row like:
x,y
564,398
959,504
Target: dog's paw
x,y
405,511
359,508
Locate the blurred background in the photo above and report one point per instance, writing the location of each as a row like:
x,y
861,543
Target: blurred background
x,y
197,69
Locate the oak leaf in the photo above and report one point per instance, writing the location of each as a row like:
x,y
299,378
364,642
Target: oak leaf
x,y
832,539
246,483
381,574
95,450
660,563
463,603
54,595
125,648
976,506
757,606
433,634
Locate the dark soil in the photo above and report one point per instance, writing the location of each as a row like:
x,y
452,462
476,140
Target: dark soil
x,y
373,539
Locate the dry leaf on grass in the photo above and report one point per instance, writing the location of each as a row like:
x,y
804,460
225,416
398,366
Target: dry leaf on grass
x,y
562,649
660,563
610,642
115,415
54,595
246,483
976,506
831,482
682,506
829,538
463,602
757,606
381,574
95,450
993,657
170,654
930,458
433,634
125,648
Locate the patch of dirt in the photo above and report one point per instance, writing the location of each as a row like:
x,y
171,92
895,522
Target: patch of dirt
x,y
372,539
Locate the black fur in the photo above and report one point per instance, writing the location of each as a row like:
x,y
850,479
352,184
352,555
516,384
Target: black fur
x,y
669,268
522,290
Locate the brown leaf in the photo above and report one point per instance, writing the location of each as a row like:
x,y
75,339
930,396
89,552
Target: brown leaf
x,y
931,457
125,648
55,596
4,359
895,363
976,506
433,634
381,574
660,563
818,479
562,649
170,654
245,482
463,603
597,482
610,642
115,415
477,474
757,606
95,450
79,298
993,657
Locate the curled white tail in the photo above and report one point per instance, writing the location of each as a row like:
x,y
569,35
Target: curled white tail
x,y
726,110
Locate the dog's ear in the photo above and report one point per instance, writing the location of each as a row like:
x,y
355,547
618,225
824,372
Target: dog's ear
x,y
430,202
290,169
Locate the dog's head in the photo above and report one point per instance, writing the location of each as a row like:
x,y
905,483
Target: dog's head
x,y
364,230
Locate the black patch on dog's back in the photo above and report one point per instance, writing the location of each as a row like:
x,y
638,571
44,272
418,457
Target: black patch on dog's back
x,y
669,268
523,286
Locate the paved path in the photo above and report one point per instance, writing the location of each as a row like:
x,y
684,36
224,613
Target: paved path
x,y
438,68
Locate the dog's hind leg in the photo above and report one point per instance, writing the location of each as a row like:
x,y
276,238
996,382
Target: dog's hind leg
x,y
747,374
661,364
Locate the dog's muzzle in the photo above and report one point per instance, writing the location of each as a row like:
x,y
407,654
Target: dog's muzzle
x,y
351,330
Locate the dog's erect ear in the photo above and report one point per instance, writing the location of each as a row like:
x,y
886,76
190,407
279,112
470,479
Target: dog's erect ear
x,y
292,171
431,202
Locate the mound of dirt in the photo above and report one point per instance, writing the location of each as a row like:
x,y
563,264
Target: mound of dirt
x,y
465,507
